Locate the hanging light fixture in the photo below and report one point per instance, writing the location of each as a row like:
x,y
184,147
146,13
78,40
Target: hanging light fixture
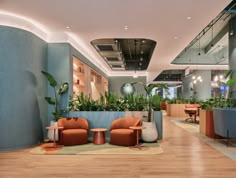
x,y
199,47
212,36
135,74
231,32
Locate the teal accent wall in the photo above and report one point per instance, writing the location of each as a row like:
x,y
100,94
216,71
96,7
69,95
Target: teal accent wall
x,y
59,65
60,59
115,84
23,110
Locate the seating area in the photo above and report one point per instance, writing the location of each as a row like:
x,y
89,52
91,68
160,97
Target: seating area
x,y
76,130
193,111
112,88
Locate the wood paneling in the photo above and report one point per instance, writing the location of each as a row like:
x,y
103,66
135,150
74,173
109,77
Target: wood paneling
x,y
185,156
176,110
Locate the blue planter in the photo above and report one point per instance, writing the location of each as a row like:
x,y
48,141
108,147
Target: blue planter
x,y
225,122
103,119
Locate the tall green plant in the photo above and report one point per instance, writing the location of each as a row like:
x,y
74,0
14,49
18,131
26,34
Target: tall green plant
x,y
148,89
59,90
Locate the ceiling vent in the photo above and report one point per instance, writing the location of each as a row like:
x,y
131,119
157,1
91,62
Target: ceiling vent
x,y
105,45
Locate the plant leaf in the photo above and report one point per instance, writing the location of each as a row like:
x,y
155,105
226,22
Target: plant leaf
x,y
231,82
50,100
50,78
228,74
63,88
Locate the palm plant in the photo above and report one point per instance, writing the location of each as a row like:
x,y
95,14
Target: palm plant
x,y
148,89
58,91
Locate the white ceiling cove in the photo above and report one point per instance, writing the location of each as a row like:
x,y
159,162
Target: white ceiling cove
x,y
164,21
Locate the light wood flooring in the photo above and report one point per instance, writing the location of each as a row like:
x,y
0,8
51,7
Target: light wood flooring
x,y
185,156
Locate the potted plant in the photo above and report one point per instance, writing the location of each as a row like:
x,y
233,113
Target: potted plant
x,y
58,90
224,113
150,134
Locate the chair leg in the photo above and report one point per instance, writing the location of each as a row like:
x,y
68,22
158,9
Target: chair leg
x,y
227,137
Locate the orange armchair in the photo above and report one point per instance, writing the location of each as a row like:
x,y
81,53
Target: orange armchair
x,y
74,132
121,134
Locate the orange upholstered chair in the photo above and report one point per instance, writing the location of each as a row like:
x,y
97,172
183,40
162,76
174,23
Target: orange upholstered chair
x,y
74,132
121,134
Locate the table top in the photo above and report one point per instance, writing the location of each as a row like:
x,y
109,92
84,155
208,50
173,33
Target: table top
x,y
191,109
99,130
54,127
137,127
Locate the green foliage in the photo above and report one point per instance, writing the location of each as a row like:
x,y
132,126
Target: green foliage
x,y
181,101
156,102
112,102
135,102
218,102
51,80
58,91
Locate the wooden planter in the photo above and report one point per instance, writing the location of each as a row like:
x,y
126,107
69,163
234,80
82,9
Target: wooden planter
x,y
176,110
207,123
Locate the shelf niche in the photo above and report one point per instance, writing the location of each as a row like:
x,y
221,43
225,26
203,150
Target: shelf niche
x,y
87,80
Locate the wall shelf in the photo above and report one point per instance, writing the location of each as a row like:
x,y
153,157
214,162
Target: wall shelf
x,y
87,80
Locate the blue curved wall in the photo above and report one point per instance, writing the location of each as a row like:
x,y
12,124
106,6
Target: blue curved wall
x,y
23,111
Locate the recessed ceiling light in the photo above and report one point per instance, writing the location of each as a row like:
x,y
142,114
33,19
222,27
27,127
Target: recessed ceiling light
x,y
141,52
140,63
126,27
141,59
143,41
189,18
176,37
68,27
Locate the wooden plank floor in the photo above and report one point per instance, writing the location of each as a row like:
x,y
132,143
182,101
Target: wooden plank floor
x,y
185,156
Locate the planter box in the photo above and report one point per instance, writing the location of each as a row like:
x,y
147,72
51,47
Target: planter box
x,y
207,123
176,110
225,122
103,119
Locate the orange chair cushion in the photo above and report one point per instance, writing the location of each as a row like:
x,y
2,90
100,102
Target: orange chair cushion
x,y
73,137
124,137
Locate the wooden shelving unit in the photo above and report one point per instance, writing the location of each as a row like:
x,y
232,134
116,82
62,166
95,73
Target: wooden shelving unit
x,y
87,80
78,76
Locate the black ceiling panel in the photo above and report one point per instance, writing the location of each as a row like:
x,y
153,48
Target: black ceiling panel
x,y
135,54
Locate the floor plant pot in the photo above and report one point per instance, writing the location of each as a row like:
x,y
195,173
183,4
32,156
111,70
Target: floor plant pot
x,y
51,132
149,134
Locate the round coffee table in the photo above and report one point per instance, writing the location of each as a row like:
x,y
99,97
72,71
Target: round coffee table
x,y
137,129
54,128
99,135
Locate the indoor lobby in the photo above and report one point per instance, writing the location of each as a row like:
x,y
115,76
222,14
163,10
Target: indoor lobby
x,y
115,88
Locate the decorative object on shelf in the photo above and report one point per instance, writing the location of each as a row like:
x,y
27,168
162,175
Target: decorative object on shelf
x,y
59,90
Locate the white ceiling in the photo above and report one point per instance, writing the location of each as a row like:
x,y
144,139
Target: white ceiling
x,y
159,20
